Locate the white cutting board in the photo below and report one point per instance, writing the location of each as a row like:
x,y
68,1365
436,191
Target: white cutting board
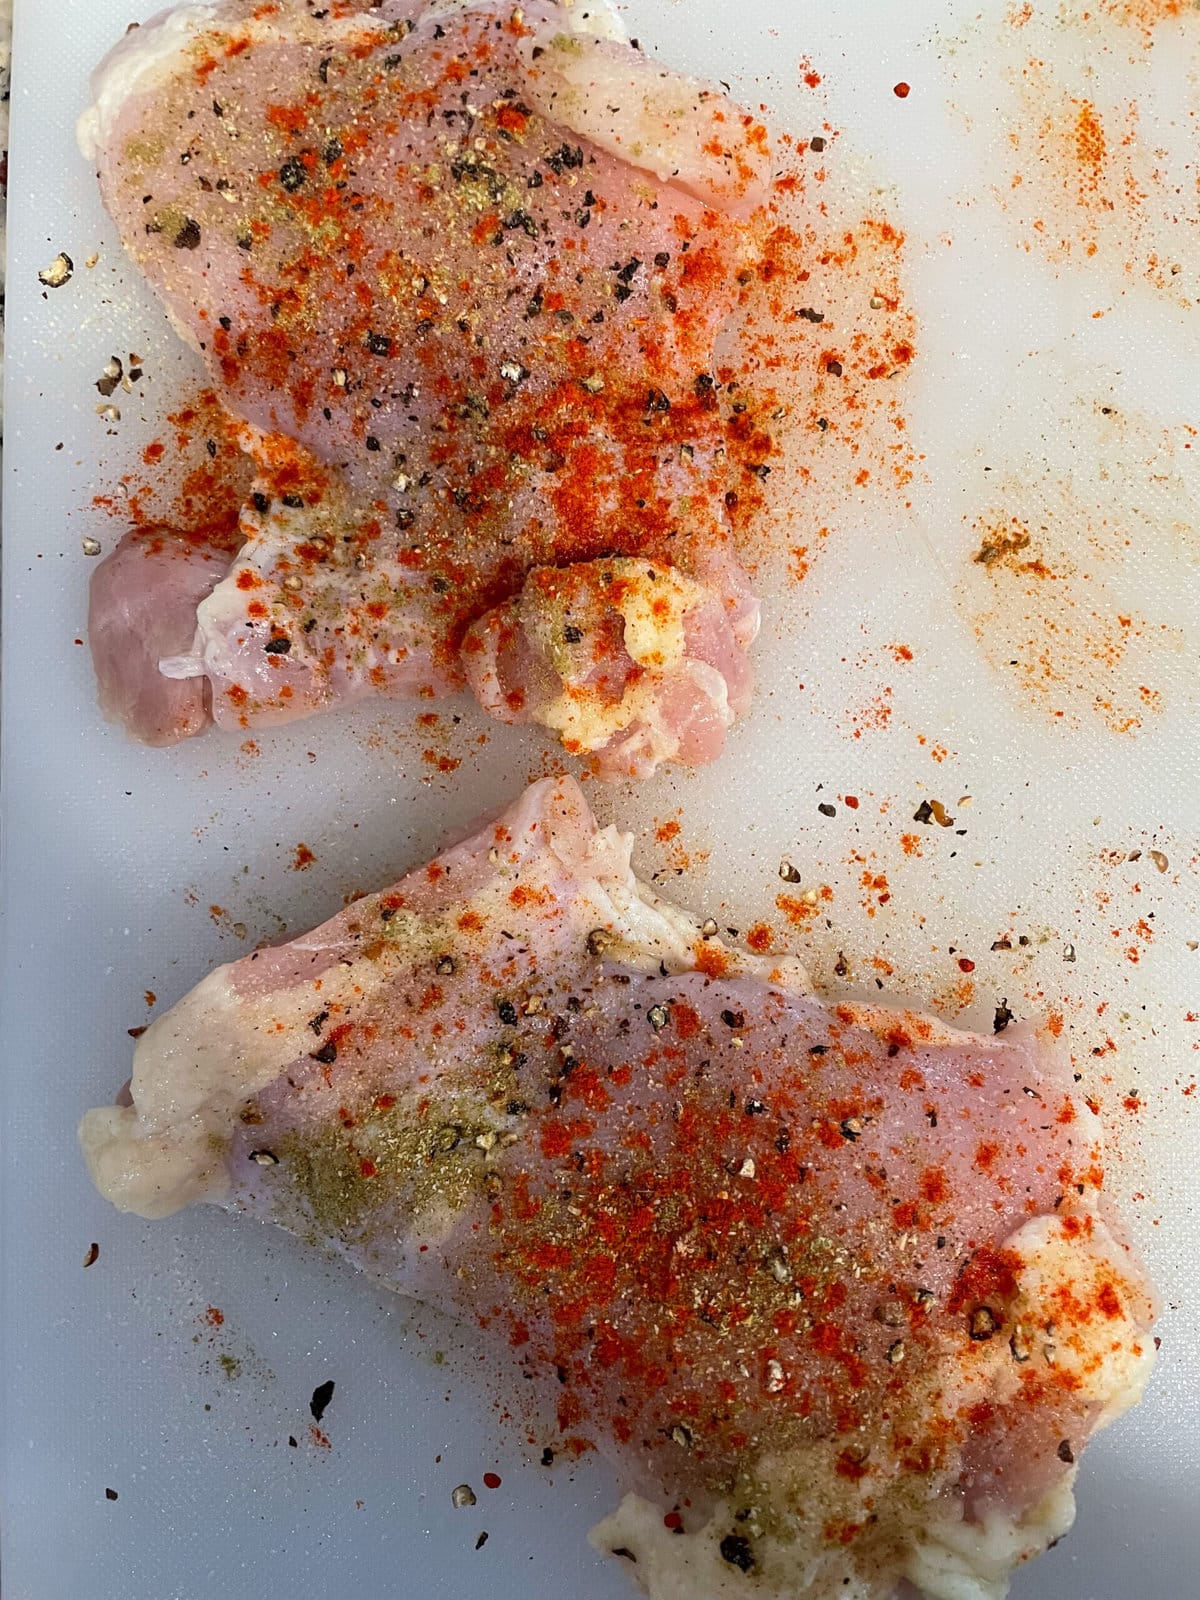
x,y
113,1377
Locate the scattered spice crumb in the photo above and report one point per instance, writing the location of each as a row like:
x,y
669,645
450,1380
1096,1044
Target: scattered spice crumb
x,y
303,858
492,1480
321,1396
54,276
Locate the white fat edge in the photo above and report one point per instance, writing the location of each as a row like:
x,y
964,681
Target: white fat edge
x,y
186,666
714,687
656,119
598,18
144,56
951,1560
217,618
150,54
595,17
959,1560
221,615
1110,1360
193,1070
882,1020
651,932
689,1566
647,933
748,625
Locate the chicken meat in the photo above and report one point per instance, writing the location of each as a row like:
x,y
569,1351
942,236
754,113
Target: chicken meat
x,y
836,1287
458,271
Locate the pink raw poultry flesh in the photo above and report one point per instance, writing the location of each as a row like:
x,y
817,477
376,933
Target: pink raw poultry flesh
x,y
838,1283
459,271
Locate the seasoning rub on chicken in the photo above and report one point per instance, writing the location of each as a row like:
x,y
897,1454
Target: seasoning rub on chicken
x,y
836,1287
458,271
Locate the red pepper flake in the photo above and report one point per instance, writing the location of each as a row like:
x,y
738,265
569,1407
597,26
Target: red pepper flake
x,y
902,91
987,1153
214,1317
760,938
965,964
1109,1301
303,858
492,1480
934,1186
710,959
673,1521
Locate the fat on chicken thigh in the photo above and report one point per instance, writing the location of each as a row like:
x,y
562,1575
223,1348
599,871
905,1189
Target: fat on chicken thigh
x,y
458,271
836,1287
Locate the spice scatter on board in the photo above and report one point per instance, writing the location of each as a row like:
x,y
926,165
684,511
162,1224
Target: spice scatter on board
x,y
1067,570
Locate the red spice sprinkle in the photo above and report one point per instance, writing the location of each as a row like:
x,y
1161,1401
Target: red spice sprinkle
x,y
673,1521
492,1480
214,1317
902,91
965,964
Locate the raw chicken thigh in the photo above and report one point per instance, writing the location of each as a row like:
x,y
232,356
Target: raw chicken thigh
x,y
459,271
836,1287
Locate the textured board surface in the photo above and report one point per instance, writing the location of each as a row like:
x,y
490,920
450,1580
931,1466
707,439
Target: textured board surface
x,y
1041,174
